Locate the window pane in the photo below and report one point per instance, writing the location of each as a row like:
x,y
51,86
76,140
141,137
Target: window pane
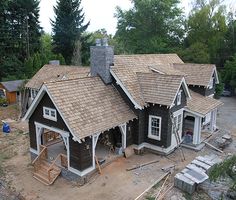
x,y
46,112
53,114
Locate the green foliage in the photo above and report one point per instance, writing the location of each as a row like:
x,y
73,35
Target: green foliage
x,y
69,27
219,87
20,33
207,25
3,101
153,26
196,53
225,169
229,73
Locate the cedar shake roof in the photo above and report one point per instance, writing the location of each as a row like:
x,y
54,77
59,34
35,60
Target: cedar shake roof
x,y
196,74
13,86
146,59
159,89
202,104
89,106
56,72
126,66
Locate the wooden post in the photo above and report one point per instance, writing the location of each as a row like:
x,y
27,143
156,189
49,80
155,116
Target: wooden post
x,y
99,168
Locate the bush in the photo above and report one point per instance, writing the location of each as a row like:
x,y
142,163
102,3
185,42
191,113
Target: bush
x,y
3,101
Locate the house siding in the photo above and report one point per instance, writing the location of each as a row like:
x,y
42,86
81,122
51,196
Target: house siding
x,y
11,96
81,154
80,157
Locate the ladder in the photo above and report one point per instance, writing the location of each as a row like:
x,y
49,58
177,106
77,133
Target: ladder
x,y
177,136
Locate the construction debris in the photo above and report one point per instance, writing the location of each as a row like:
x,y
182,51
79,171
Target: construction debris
x,y
224,141
151,186
142,165
210,145
168,168
195,173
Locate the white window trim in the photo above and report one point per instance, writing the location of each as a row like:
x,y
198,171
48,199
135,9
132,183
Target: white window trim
x,y
179,97
49,116
149,128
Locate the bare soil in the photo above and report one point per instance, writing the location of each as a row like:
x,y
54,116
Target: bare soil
x,y
114,183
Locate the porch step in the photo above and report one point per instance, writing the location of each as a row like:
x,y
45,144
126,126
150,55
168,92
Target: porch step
x,y
42,173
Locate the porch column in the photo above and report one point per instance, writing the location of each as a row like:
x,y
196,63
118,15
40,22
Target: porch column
x,y
197,130
94,140
39,131
123,132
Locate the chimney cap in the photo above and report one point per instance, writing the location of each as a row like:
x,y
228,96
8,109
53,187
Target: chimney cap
x,y
98,42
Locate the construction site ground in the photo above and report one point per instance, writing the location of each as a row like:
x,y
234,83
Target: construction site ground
x,y
115,182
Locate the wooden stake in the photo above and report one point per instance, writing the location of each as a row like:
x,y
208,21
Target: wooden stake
x,y
158,180
163,195
142,165
99,168
210,145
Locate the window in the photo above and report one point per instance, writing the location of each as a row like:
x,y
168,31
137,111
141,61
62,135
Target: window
x,y
211,83
178,122
179,98
154,129
49,113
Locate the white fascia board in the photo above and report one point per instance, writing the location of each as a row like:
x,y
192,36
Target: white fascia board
x,y
155,70
36,101
136,105
216,77
186,90
194,113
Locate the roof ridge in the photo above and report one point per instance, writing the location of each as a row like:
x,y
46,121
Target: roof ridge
x,y
74,79
158,74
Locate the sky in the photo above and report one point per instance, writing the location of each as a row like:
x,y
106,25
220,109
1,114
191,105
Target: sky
x,y
100,13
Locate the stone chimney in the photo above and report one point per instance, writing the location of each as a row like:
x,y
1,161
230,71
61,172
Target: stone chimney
x,y
102,57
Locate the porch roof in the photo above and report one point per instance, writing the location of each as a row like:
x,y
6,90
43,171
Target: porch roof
x,y
202,104
88,105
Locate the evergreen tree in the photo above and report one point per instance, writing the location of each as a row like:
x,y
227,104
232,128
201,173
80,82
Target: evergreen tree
x,y
68,27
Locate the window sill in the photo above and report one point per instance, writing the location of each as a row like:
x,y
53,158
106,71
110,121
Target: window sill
x,y
50,118
154,137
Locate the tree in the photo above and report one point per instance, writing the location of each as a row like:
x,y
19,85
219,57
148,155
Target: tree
x,y
229,73
153,26
68,28
20,33
206,25
225,169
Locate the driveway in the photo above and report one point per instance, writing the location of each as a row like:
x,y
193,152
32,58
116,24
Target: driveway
x,y
226,118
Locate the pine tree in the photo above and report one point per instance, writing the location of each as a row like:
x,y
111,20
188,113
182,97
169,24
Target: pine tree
x,y
68,27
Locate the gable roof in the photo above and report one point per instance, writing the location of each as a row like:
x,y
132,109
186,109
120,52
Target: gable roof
x,y
13,86
56,72
197,74
202,104
125,69
98,107
160,89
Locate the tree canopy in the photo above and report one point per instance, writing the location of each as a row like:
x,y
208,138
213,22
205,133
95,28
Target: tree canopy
x,y
68,28
151,26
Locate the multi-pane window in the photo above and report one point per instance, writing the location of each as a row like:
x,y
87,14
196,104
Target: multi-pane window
x,y
49,113
34,93
178,122
154,130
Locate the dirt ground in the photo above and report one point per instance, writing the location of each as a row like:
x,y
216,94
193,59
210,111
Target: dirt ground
x,y
114,183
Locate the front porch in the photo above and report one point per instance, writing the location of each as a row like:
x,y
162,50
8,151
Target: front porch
x,y
197,128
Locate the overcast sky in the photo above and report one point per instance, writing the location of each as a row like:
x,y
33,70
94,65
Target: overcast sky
x,y
100,13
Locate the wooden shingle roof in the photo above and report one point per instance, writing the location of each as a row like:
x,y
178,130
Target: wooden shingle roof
x,y
196,74
56,72
159,89
88,105
126,66
202,104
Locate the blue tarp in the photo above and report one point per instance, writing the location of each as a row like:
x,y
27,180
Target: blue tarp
x,y
6,128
